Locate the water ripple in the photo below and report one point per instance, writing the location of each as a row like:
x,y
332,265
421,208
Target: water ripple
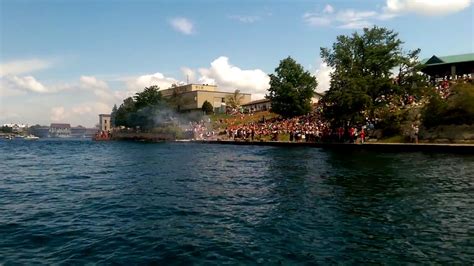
x,y
78,202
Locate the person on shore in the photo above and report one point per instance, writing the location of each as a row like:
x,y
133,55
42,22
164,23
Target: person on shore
x,y
340,134
362,135
351,135
416,131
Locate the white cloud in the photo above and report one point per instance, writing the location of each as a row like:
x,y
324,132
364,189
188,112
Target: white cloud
x,y
323,76
182,25
314,19
85,113
245,19
8,88
28,83
99,87
91,108
352,19
12,84
426,7
18,67
82,109
347,19
92,82
138,83
229,77
356,19
58,114
328,9
359,24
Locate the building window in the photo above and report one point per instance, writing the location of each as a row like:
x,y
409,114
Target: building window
x,y
223,100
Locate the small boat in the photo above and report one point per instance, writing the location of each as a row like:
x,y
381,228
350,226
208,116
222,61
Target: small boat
x,y
31,137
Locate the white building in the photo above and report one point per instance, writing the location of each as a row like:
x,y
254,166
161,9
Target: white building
x,y
104,122
57,130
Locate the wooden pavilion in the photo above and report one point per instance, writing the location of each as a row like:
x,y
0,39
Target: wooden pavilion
x,y
452,67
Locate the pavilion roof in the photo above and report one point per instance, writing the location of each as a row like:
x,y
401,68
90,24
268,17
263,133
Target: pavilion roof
x,y
452,59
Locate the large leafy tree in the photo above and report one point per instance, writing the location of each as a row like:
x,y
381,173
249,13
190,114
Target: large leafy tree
x,y
124,112
113,115
363,79
150,96
291,89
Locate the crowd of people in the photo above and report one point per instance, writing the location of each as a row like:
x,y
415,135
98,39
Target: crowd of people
x,y
306,128
443,85
201,130
301,128
103,135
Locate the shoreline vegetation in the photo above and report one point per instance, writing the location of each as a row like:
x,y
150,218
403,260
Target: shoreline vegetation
x,y
378,93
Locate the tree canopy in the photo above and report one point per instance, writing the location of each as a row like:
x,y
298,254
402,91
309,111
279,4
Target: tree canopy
x,y
291,89
113,115
148,97
122,117
457,109
363,78
139,110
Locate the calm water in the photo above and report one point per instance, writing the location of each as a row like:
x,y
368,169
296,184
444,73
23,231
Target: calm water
x,y
121,202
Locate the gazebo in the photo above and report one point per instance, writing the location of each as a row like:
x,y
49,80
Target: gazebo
x,y
449,66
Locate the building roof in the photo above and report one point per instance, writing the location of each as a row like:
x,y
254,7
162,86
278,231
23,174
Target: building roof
x,y
60,125
452,59
257,102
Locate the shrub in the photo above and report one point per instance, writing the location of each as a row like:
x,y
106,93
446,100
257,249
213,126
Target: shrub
x,y
207,108
457,109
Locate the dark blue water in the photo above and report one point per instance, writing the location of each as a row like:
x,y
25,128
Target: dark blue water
x,y
135,203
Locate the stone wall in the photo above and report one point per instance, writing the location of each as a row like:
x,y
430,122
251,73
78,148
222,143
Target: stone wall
x,y
446,134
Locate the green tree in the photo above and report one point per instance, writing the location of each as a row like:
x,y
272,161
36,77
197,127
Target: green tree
x,y
457,109
234,100
207,108
113,115
362,80
148,97
291,89
124,112
6,129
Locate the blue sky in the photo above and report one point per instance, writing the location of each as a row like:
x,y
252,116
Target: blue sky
x,y
66,61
